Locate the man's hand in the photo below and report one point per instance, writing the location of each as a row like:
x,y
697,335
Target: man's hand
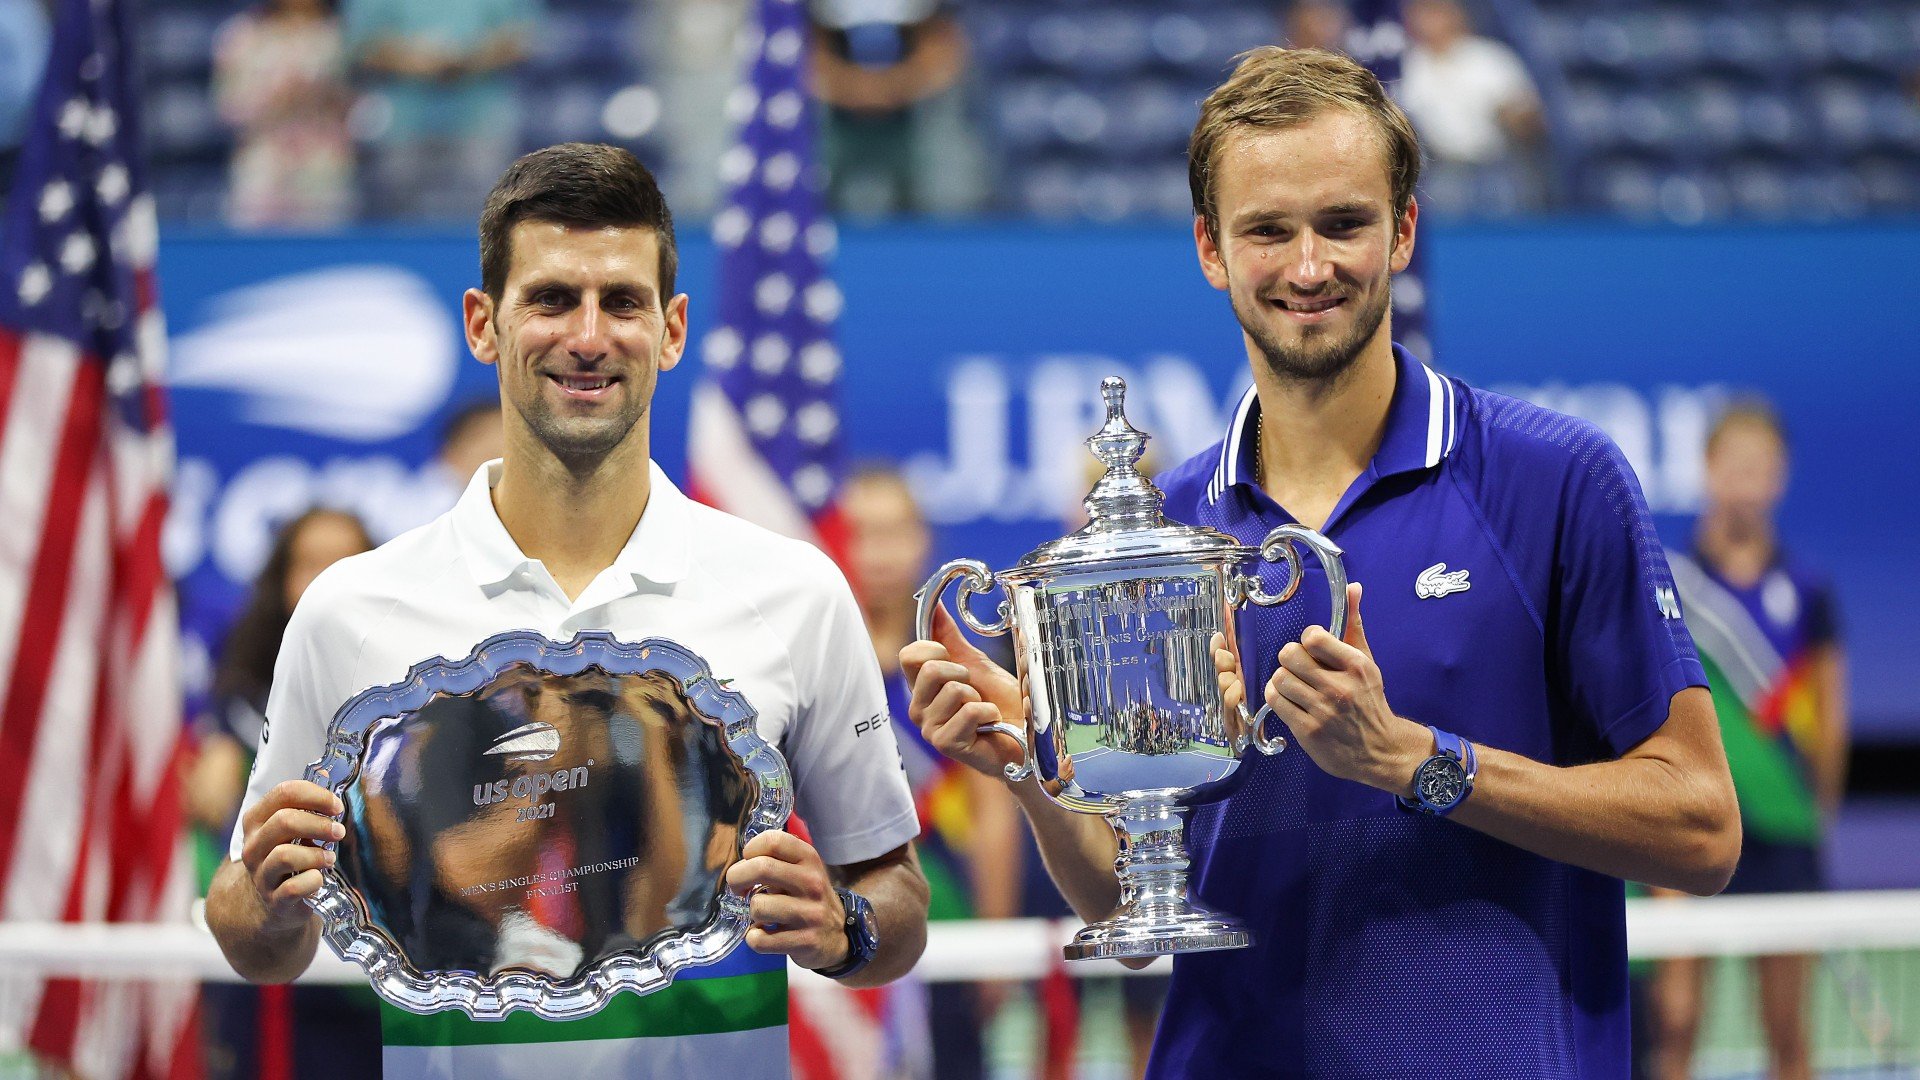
x,y
794,909
1329,693
956,689
278,848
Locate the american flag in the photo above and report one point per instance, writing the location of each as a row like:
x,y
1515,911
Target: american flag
x,y
764,440
90,714
764,437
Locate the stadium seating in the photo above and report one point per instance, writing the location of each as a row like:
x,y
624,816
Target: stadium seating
x,y
1657,108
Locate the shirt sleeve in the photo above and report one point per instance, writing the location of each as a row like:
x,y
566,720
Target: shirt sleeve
x,y
302,702
848,779
1621,648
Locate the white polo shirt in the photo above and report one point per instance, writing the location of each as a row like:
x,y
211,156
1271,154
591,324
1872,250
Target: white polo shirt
x,y
771,614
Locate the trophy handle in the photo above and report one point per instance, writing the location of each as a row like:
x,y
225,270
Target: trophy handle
x,y
1256,728
1024,769
978,579
1278,547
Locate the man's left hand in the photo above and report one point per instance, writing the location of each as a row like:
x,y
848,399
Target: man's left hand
x,y
1329,693
794,909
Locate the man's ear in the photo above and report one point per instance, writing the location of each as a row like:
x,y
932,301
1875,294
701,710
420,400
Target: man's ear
x,y
1208,248
674,345
476,309
1403,231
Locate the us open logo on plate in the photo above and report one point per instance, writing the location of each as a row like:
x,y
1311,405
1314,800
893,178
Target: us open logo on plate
x,y
529,743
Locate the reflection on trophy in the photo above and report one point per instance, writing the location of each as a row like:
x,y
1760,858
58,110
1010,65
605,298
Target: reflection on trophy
x,y
1113,628
543,824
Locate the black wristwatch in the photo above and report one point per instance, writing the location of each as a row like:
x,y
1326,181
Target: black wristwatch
x,y
863,935
1444,780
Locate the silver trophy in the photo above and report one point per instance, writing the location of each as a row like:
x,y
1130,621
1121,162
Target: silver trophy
x,y
1112,629
543,824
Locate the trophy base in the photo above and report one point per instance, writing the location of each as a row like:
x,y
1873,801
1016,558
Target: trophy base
x,y
1184,932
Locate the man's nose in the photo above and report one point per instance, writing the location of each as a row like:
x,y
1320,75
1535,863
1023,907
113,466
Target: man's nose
x,y
1308,264
587,333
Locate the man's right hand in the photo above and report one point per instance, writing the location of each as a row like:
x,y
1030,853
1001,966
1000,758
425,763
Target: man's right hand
x,y
956,689
278,847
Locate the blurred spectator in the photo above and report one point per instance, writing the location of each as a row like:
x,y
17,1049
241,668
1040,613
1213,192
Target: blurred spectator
x,y
1317,24
280,78
1477,111
694,64
472,436
24,38
896,137
443,120
971,834
1768,635
336,1030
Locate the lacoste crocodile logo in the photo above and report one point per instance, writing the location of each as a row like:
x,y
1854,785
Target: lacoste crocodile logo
x,y
528,742
1436,581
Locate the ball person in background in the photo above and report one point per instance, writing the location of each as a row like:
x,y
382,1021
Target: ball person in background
x,y
332,1024
1432,870
575,529
1769,637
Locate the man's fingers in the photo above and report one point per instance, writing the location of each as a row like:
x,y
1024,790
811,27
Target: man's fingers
x,y
1300,663
917,653
1330,651
782,845
1356,634
783,942
949,701
1293,691
778,875
293,891
288,826
962,730
289,861
295,794
935,676
947,632
778,912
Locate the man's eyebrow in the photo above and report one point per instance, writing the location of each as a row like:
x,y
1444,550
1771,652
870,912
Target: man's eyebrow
x,y
540,285
1258,217
1351,209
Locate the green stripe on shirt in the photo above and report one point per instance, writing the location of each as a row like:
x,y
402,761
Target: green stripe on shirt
x,y
687,1007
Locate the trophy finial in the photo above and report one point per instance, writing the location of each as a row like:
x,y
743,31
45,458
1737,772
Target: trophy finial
x,y
1123,499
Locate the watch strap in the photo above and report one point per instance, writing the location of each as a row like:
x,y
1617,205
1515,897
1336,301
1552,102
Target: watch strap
x,y
860,944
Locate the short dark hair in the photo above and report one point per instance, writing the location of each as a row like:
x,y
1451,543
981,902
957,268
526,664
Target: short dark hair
x,y
1273,88
590,184
1748,412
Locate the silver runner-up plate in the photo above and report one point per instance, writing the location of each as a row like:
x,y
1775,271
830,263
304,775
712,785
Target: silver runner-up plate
x,y
543,824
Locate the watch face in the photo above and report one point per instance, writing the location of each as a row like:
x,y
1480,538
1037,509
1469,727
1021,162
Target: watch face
x,y
1441,782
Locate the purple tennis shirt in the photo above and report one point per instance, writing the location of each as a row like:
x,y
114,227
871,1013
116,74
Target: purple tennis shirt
x,y
1516,595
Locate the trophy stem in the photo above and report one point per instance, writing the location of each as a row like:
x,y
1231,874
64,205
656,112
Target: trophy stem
x,y
1156,914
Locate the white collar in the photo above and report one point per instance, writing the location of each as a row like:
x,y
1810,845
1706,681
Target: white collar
x,y
657,550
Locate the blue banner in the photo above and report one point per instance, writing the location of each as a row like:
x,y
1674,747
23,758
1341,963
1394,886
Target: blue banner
x,y
321,369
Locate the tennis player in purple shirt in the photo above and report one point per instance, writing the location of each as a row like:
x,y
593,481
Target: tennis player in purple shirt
x,y
1522,658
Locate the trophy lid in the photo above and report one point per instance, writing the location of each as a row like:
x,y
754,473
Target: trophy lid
x,y
1124,509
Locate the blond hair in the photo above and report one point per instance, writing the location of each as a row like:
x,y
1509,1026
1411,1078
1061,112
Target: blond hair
x,y
1273,88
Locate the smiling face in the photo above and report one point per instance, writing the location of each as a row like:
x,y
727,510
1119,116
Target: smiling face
x,y
1307,241
579,335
